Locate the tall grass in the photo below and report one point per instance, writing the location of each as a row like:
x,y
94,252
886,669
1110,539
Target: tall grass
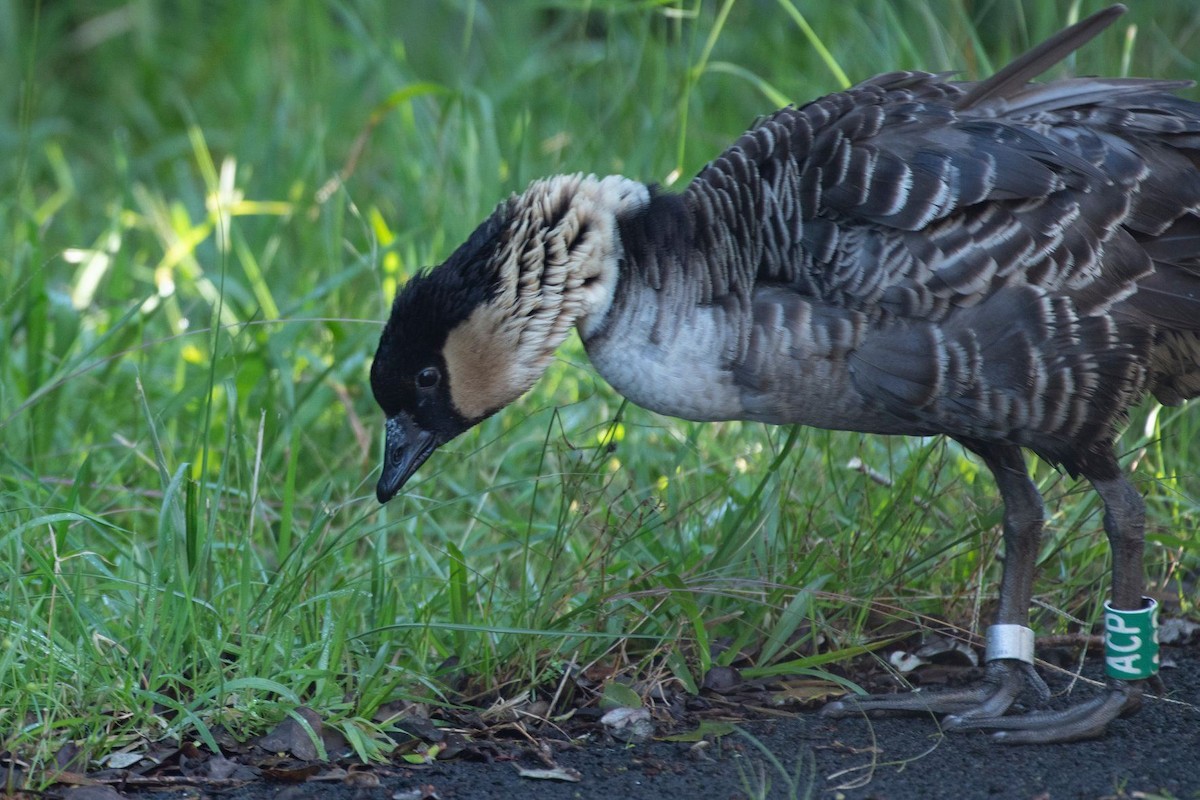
x,y
209,207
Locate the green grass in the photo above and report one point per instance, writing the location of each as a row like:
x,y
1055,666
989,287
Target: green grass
x,y
208,208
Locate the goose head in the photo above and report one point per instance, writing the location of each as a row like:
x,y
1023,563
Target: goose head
x,y
469,337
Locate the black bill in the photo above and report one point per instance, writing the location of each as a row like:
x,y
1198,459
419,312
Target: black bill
x,y
406,448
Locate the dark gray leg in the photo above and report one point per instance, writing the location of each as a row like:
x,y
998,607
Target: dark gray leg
x,y
1006,678
1023,516
1124,523
984,706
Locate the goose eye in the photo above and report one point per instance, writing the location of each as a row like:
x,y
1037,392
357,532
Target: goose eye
x,y
428,378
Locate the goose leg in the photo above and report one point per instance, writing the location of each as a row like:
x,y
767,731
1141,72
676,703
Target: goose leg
x,y
1010,642
1006,677
1124,524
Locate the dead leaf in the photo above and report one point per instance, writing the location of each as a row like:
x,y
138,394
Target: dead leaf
x,y
948,650
420,727
291,773
1178,631
220,768
121,760
628,724
363,778
290,737
722,679
905,662
556,774
335,774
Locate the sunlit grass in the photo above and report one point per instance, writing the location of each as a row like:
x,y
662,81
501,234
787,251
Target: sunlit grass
x,y
208,217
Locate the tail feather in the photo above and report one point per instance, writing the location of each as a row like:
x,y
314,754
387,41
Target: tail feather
x,y
1041,58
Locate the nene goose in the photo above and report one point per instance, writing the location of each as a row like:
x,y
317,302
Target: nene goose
x,y
1007,263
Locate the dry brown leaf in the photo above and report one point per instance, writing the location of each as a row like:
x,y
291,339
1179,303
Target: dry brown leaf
x,y
556,774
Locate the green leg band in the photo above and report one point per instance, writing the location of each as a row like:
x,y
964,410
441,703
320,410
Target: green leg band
x,y
1131,641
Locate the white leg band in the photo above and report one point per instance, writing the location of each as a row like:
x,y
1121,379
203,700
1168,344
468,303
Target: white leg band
x,y
1010,641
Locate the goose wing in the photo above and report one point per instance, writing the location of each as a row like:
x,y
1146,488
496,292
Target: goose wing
x,y
992,260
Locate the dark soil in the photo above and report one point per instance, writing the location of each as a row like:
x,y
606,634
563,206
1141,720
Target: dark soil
x,y
1155,753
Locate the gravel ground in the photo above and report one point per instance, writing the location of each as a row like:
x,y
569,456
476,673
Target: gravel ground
x,y
1155,753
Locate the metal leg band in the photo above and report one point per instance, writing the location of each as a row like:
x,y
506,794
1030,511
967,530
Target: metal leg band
x,y
1131,641
1010,641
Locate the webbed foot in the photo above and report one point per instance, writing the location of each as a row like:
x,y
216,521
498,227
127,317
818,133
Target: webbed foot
x,y
983,707
990,698
1086,720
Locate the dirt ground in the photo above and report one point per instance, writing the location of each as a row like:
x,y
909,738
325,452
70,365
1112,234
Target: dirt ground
x,y
1155,753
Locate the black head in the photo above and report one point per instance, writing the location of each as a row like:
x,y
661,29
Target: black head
x,y
410,376
474,334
